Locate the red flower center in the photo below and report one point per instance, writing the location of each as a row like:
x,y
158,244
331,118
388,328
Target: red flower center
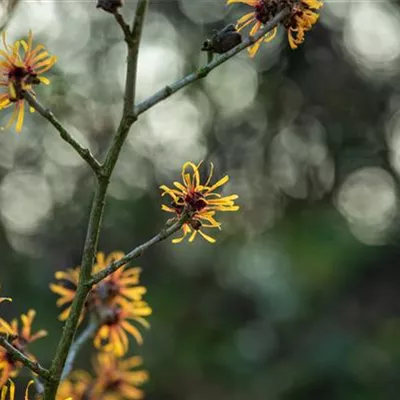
x,y
262,12
18,73
195,201
265,10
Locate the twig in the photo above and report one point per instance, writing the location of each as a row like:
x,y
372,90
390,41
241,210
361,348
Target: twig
x,y
138,251
82,151
86,335
18,356
96,215
203,71
128,118
89,251
8,11
124,26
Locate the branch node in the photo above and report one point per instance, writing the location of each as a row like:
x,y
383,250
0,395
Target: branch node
x,y
168,90
202,72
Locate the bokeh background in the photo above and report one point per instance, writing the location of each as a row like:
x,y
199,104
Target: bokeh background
x,y
299,298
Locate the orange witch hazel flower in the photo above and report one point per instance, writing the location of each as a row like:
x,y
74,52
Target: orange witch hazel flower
x,y
20,338
198,200
117,301
121,288
116,379
300,20
21,68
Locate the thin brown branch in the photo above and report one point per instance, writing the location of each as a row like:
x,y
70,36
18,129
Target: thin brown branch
x,y
8,9
124,26
18,356
82,151
204,71
89,251
133,44
138,251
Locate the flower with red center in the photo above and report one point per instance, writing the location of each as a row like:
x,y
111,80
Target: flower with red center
x,y
20,338
301,19
116,323
21,67
199,201
120,288
115,379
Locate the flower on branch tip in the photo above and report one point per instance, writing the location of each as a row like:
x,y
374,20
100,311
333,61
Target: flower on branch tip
x,y
198,200
20,338
302,17
121,288
21,68
115,379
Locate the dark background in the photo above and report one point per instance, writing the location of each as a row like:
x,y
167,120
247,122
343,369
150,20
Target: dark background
x,y
299,298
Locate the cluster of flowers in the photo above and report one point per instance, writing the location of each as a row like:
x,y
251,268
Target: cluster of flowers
x,y
114,305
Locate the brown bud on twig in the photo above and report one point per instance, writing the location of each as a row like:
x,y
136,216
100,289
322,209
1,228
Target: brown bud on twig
x,y
110,6
222,41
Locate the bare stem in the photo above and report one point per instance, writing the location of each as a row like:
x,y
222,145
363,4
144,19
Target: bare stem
x,y
82,151
138,251
128,118
124,26
86,335
82,290
18,356
103,178
204,71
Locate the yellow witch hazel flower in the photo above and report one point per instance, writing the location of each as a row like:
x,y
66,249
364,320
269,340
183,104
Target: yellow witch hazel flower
x,y
21,68
117,301
121,288
198,200
300,20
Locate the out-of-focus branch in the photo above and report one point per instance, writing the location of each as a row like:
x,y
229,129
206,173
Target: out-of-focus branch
x,y
8,8
138,251
18,356
82,151
203,71
86,335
